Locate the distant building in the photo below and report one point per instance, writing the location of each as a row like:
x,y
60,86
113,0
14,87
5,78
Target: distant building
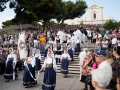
x,y
94,16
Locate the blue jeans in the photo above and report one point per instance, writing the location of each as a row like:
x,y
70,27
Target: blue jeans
x,y
104,48
42,49
113,45
99,48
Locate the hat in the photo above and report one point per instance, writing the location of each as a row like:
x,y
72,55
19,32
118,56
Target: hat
x,y
101,53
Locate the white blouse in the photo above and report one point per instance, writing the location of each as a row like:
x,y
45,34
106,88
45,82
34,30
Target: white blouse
x,y
65,56
49,60
32,60
11,55
38,55
77,41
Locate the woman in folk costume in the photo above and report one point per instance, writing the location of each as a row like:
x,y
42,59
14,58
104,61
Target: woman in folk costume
x,y
50,67
46,52
48,45
77,46
65,57
10,66
29,72
37,60
50,42
70,52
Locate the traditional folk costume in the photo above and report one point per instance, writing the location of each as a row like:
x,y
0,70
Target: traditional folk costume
x,y
37,60
29,72
10,67
49,81
58,52
70,52
65,57
50,42
77,46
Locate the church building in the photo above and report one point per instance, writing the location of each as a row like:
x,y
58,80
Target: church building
x,y
94,16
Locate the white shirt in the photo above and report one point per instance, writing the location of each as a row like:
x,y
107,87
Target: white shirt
x,y
77,41
82,56
104,44
114,41
32,60
99,35
89,33
38,55
107,68
65,56
94,35
11,55
49,60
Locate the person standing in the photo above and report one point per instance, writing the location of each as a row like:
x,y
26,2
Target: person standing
x,y
37,60
49,81
82,56
10,64
77,46
65,57
29,72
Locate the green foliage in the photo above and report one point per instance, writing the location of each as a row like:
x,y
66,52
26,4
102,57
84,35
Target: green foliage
x,y
7,23
111,24
28,11
3,4
71,10
52,23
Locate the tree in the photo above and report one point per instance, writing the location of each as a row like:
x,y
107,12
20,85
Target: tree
x,y
111,24
7,23
3,4
71,10
46,10
22,13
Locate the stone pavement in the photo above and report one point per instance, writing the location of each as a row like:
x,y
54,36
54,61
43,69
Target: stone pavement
x,y
70,83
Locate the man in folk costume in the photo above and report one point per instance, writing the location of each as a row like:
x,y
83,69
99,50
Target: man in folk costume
x,y
58,51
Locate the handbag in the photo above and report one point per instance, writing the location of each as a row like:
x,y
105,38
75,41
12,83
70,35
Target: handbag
x,y
88,79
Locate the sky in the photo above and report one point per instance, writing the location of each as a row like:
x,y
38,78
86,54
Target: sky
x,y
110,8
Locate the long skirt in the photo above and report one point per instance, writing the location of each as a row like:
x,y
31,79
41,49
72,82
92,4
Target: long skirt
x,y
38,64
70,53
46,51
27,79
77,48
64,66
49,81
9,70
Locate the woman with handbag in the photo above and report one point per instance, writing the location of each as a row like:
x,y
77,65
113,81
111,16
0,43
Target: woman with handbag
x,y
93,65
49,81
85,71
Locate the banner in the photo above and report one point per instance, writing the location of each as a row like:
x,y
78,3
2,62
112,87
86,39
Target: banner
x,y
22,46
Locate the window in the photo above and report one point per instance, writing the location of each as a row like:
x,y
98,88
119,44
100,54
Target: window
x,y
94,15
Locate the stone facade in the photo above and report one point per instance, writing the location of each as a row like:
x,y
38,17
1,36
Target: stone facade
x,y
94,16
